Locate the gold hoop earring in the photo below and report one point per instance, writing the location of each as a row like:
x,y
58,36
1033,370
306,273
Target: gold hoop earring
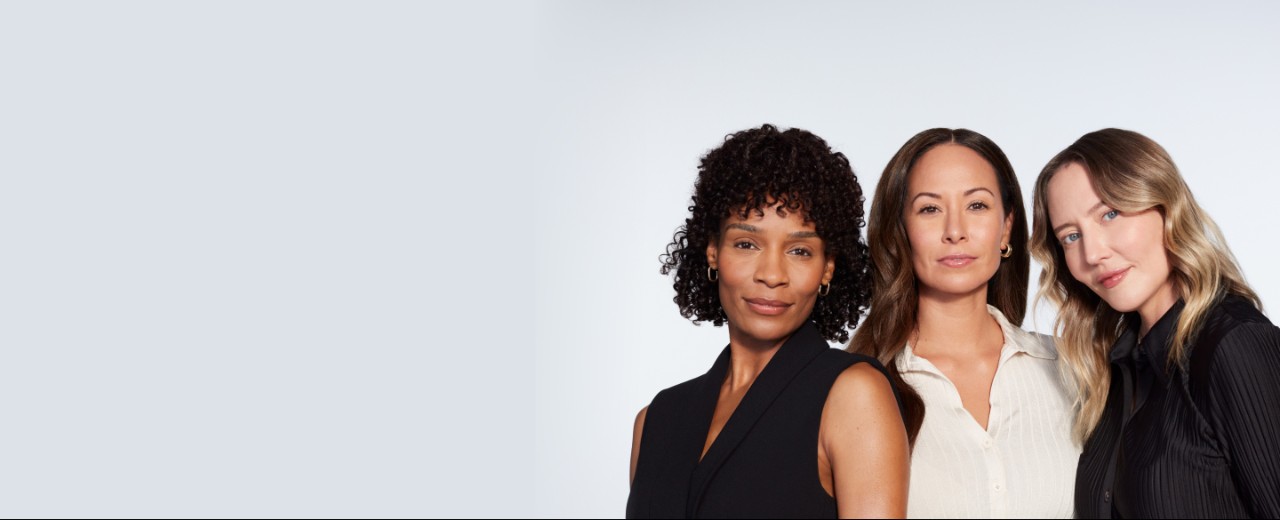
x,y
712,274
824,289
1006,251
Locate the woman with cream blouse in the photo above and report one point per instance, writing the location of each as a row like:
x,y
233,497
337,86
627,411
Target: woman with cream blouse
x,y
988,411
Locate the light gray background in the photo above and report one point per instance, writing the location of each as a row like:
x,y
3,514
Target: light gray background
x,y
265,259
400,258
642,90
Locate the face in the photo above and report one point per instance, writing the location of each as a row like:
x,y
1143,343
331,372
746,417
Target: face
x,y
955,221
770,269
1120,256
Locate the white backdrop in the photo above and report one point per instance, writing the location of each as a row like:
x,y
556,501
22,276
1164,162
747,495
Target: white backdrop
x,y
637,92
320,258
263,259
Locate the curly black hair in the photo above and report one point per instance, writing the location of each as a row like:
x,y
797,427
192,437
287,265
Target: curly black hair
x,y
758,168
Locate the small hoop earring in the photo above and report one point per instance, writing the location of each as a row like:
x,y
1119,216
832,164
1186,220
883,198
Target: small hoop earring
x,y
1006,251
712,274
824,289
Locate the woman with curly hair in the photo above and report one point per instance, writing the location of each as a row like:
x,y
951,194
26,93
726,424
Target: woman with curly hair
x,y
987,409
1179,370
782,425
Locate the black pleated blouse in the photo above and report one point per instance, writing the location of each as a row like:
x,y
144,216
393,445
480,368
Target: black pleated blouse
x,y
1197,443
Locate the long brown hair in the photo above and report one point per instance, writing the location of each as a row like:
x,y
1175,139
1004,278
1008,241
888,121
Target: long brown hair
x,y
1131,173
895,299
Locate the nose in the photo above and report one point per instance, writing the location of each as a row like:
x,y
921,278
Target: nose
x,y
955,231
770,270
1094,247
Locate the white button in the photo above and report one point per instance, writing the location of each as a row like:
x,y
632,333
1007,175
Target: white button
x,y
986,443
997,487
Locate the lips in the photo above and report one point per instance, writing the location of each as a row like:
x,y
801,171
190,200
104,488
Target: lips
x,y
766,306
1111,279
957,260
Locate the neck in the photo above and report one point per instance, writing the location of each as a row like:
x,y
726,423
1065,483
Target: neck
x,y
748,357
1157,306
958,324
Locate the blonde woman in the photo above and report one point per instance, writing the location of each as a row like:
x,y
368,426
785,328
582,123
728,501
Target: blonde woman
x,y
1179,369
987,410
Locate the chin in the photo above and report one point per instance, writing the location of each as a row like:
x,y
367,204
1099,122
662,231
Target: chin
x,y
1122,303
959,286
1119,306
770,332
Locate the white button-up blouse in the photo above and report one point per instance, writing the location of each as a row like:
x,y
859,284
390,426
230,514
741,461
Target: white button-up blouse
x,y
1023,465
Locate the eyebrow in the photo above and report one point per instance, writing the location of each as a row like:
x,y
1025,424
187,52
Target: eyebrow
x,y
968,192
925,194
1095,207
752,229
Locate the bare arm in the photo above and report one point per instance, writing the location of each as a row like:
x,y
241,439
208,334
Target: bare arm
x,y
635,441
866,442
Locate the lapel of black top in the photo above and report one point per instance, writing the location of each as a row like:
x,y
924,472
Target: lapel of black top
x,y
699,413
796,353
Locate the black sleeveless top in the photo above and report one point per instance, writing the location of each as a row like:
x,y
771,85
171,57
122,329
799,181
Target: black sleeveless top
x,y
764,463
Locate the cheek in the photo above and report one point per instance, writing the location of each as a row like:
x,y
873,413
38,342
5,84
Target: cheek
x,y
733,270
993,230
1154,232
917,239
1149,238
808,273
1077,266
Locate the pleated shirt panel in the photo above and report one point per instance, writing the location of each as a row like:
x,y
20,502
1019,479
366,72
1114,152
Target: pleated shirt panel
x,y
1199,442
1023,464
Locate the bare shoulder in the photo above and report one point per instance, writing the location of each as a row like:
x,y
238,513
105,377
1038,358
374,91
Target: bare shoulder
x,y
861,383
863,437
635,441
861,395
640,421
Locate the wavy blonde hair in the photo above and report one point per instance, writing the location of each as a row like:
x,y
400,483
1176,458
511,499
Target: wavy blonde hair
x,y
1131,173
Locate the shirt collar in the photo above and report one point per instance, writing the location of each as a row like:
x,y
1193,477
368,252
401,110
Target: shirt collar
x,y
1015,338
1032,344
1154,347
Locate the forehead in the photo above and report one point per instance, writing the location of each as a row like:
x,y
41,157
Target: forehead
x,y
767,218
951,167
1070,194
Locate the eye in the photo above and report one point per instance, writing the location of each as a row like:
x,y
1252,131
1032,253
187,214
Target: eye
x,y
929,209
800,251
1110,215
743,244
978,205
1070,238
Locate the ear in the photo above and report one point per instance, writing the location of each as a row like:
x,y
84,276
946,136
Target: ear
x,y
1007,235
713,249
829,270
